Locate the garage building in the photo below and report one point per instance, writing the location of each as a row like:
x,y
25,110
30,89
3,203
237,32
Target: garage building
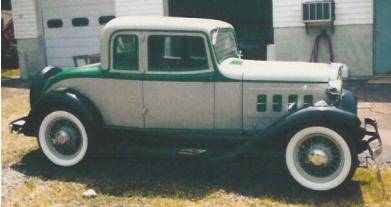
x,y
56,32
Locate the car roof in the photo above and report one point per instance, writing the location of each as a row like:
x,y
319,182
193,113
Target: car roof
x,y
165,23
159,23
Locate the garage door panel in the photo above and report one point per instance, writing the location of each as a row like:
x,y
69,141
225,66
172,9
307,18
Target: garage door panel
x,y
67,41
73,42
72,32
71,51
76,11
60,62
46,4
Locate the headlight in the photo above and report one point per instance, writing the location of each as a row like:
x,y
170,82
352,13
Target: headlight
x,y
334,91
334,88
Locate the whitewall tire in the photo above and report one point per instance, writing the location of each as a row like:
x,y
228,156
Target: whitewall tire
x,y
318,158
63,138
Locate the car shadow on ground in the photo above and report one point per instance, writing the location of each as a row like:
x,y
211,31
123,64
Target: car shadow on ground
x,y
185,178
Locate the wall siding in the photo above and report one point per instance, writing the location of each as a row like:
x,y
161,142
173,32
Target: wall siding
x,y
288,13
139,8
25,19
68,41
352,45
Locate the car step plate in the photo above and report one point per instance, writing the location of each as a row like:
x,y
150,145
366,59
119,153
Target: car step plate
x,y
191,152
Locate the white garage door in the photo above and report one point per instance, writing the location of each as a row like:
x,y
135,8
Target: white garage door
x,y
72,28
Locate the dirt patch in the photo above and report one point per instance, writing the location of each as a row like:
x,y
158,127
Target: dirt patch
x,y
10,181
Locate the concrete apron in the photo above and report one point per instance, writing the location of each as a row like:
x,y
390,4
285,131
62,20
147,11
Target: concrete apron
x,y
385,157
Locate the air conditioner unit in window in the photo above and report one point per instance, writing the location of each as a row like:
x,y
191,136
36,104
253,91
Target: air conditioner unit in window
x,y
319,13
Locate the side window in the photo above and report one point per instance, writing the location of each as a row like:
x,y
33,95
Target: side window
x,y
261,103
277,103
125,52
175,53
308,100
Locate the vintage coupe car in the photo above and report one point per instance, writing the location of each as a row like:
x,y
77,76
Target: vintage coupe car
x,y
182,81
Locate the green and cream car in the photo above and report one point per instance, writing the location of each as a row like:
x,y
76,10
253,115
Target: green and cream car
x,y
181,82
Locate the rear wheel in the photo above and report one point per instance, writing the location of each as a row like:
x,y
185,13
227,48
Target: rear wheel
x,y
319,158
63,138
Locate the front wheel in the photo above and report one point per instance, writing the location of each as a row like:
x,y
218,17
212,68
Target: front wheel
x,y
320,159
63,138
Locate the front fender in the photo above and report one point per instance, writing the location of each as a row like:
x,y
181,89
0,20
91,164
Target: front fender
x,y
277,135
281,130
39,80
64,99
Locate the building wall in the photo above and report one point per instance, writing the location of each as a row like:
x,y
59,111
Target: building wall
x,y
288,13
28,32
140,8
31,54
352,45
39,45
352,40
25,19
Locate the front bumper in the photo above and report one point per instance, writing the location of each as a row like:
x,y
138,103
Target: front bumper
x,y
372,141
18,125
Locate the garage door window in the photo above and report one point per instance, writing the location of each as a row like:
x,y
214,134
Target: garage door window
x,y
174,53
54,23
104,19
125,52
79,22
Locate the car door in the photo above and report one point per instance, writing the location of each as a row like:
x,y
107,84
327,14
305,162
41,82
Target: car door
x,y
122,98
178,84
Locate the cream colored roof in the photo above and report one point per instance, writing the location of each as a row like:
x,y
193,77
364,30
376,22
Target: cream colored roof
x,y
165,23
154,23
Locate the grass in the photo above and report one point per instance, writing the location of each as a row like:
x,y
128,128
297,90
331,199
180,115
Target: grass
x,y
10,73
132,181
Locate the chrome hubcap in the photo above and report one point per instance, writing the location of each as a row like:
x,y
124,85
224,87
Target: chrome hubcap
x,y
318,157
64,137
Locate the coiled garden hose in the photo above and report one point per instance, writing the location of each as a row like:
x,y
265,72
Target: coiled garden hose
x,y
315,49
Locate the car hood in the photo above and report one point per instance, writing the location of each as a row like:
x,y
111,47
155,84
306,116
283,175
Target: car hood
x,y
240,69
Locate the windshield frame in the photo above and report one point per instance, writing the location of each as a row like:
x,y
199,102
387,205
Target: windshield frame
x,y
224,30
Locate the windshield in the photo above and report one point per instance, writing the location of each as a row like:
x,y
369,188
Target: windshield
x,y
224,45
